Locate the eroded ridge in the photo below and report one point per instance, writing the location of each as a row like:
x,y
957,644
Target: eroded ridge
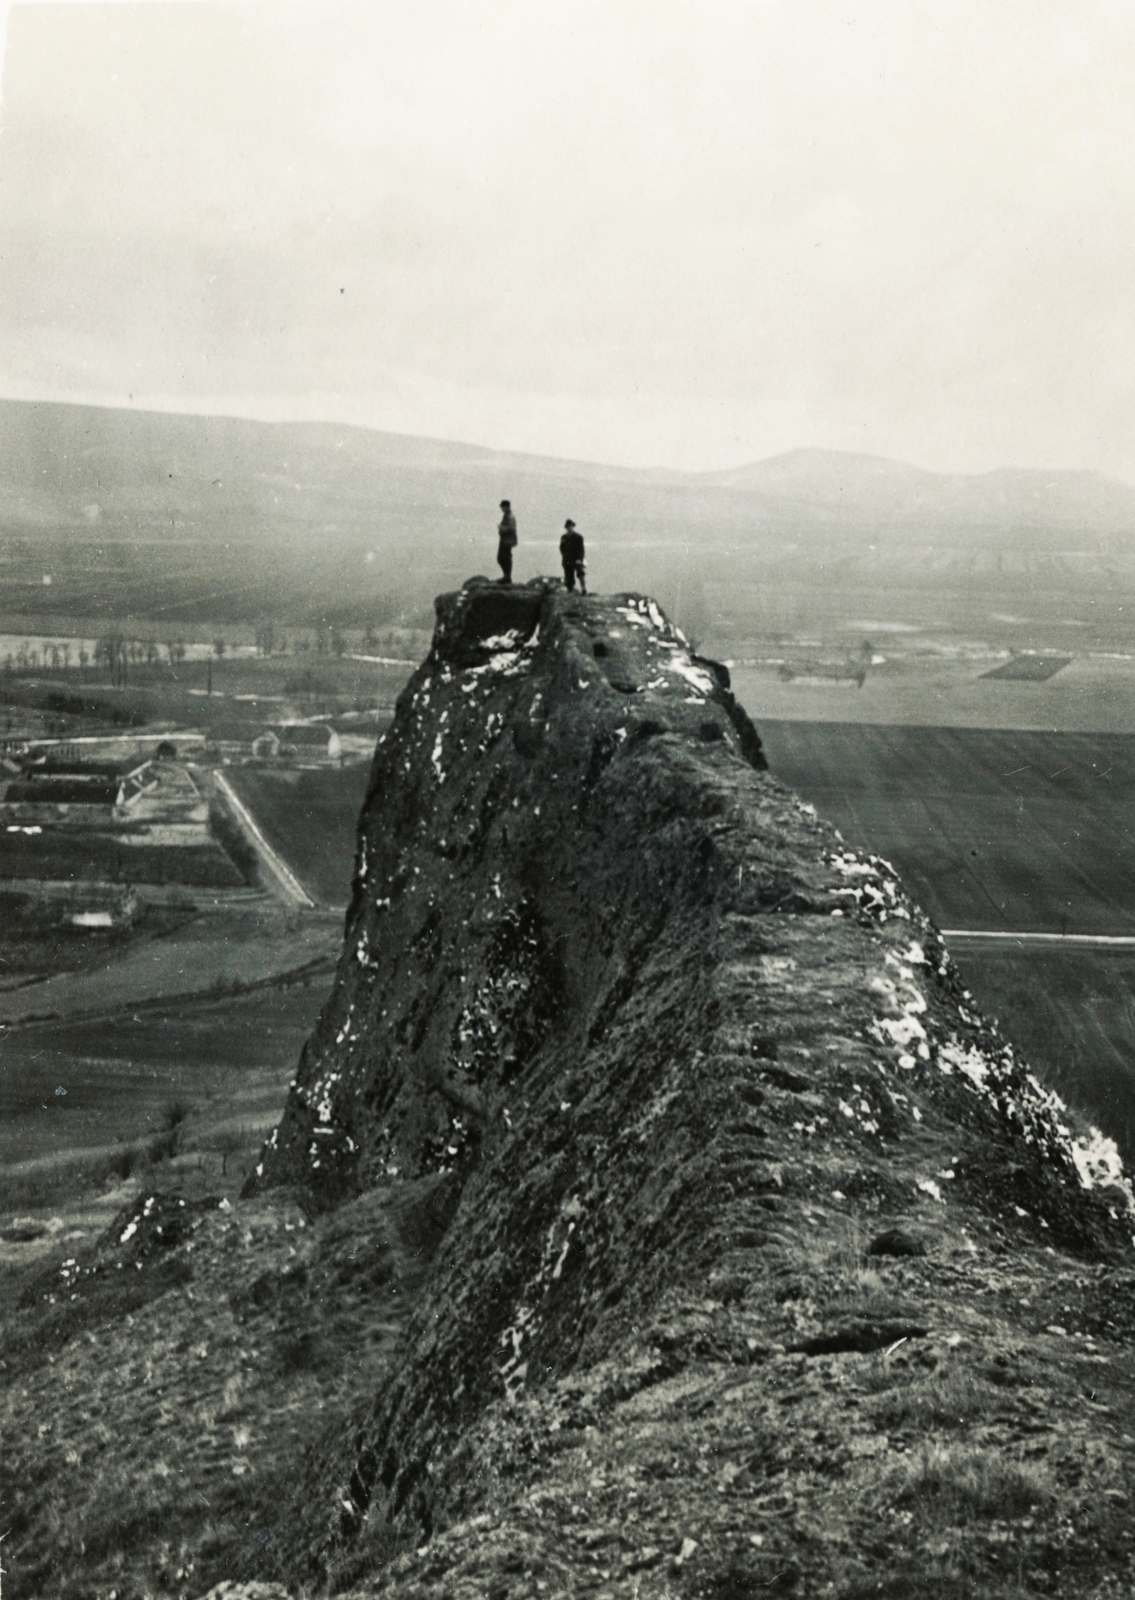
x,y
680,1059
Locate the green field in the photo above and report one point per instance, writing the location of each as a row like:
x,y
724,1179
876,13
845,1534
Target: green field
x,y
941,683
94,1083
247,689
990,829
59,854
309,816
1004,831
1029,669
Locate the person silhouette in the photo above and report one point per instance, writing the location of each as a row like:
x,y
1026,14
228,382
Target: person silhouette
x,y
571,554
508,541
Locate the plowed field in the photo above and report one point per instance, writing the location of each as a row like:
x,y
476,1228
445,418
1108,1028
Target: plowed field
x,y
990,829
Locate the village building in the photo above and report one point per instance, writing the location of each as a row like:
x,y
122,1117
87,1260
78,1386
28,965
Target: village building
x,y
243,740
49,781
304,741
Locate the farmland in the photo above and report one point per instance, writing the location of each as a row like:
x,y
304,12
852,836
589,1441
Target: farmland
x,y
998,830
231,945
101,856
38,937
1071,1011
309,815
939,681
990,829
92,1084
1030,669
212,690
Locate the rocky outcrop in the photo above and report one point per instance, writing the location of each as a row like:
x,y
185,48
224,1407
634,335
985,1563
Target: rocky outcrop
x,y
676,1059
523,838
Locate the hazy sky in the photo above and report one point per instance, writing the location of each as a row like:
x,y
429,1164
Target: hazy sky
x,y
656,232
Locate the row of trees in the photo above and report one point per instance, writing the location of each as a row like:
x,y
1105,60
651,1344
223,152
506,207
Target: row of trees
x,y
113,652
57,657
116,654
328,641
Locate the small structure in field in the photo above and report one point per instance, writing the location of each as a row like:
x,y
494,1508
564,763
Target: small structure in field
x,y
297,740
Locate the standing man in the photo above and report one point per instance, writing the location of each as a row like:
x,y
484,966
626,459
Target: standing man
x,y
507,532
571,554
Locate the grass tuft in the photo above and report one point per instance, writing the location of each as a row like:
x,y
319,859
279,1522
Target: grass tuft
x,y
948,1486
946,1400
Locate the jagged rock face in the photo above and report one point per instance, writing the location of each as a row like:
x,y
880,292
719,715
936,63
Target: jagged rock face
x,y
651,1021
503,880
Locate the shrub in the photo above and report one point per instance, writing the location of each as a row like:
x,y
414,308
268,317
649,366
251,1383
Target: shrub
x,y
124,1162
163,1148
176,1113
231,1142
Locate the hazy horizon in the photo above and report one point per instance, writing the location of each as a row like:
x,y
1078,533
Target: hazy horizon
x,y
301,418
618,233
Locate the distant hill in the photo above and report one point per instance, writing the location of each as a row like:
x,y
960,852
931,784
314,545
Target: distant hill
x,y
129,473
304,520
863,487
117,473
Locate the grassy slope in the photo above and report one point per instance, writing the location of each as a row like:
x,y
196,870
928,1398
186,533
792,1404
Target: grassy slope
x,y
157,1395
155,1403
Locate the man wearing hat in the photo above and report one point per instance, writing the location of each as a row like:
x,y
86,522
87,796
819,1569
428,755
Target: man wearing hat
x,y
571,554
507,532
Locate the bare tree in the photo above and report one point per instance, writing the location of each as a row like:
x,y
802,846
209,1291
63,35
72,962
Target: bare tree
x,y
111,651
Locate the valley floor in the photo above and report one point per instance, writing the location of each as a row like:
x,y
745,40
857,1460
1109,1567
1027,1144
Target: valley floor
x,y
1093,694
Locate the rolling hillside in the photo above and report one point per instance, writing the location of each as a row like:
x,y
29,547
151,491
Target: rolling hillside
x,y
158,516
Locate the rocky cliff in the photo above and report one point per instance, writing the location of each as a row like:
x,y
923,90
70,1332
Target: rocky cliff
x,y
763,1253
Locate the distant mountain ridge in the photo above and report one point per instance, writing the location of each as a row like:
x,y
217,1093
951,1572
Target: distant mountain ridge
x,y
313,520
865,486
91,467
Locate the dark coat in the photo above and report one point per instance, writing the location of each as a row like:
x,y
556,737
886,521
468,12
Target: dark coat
x,y
571,546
